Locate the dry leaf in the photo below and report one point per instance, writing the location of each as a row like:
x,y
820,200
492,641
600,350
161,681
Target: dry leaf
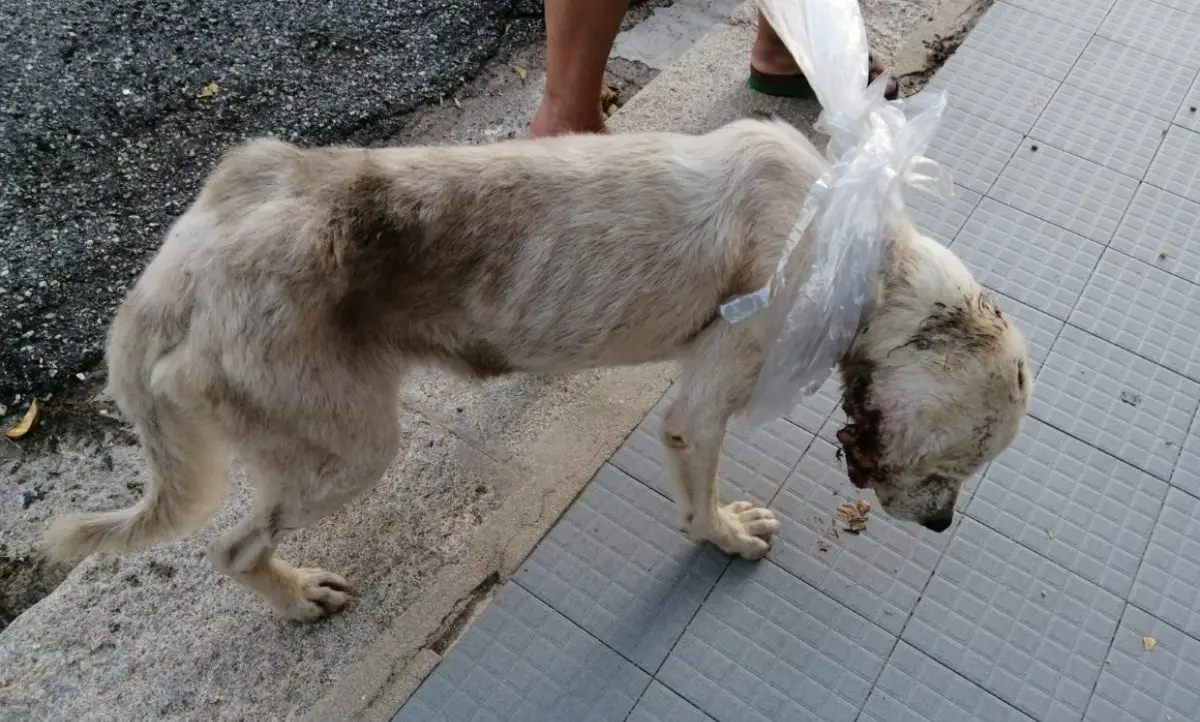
x,y
1149,643
855,515
457,104
26,423
209,90
522,73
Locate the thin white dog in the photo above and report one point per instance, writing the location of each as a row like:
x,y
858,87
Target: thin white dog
x,y
286,304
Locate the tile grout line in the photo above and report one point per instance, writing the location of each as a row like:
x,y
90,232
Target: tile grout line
x,y
653,675
859,615
1118,41
1062,565
729,561
1071,434
1167,271
1107,653
1127,603
1106,246
1135,352
646,691
683,631
1173,627
951,670
974,207
1029,135
1038,12
1175,467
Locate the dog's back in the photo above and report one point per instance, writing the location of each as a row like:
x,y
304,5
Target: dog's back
x,y
514,256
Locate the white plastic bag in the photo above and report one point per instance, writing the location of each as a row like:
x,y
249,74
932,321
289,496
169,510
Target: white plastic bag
x,y
809,312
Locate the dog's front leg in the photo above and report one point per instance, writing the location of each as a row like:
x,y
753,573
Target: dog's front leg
x,y
715,384
693,439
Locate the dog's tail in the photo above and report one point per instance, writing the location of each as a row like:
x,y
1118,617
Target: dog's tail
x,y
188,474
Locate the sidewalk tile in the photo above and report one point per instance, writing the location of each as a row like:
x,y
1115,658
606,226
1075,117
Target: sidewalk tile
x,y
1143,309
811,413
1176,168
1015,623
767,646
1168,584
994,90
1027,258
522,661
1154,28
616,566
915,688
1162,229
1029,40
973,149
1187,471
1101,128
1155,685
1138,80
1077,194
878,573
1115,400
1189,110
660,704
1083,14
1073,503
941,218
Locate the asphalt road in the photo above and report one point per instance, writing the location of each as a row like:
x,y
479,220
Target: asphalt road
x,y
113,111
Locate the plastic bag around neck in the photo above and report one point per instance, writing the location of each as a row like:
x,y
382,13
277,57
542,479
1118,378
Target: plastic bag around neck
x,y
809,311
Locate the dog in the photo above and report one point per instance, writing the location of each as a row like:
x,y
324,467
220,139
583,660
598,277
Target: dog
x,y
278,318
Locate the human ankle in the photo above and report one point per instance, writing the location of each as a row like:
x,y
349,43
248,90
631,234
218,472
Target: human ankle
x,y
554,117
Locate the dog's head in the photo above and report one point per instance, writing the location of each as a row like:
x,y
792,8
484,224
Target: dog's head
x,y
935,385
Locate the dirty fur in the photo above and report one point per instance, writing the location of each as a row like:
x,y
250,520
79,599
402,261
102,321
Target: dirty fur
x,y
286,304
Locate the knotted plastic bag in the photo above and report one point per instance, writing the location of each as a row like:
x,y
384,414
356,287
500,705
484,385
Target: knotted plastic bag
x,y
809,311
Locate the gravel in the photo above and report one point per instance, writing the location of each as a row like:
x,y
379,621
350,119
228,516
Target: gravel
x,y
107,131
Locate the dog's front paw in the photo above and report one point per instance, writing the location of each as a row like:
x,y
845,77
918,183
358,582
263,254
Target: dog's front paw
x,y
745,530
318,594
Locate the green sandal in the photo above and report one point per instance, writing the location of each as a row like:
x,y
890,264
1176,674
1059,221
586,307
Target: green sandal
x,y
795,85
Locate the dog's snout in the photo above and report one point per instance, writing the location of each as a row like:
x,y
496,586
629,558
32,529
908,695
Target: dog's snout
x,y
939,522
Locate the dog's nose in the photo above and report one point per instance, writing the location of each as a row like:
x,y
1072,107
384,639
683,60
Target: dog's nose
x,y
940,522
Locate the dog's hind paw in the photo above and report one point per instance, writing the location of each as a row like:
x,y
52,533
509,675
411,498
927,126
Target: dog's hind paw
x,y
745,530
318,594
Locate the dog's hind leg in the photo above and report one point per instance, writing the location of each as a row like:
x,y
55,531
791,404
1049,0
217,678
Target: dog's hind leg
x,y
298,484
717,381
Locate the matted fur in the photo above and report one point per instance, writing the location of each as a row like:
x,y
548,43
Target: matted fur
x,y
278,318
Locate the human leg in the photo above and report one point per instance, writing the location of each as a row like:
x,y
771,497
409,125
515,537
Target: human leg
x,y
579,38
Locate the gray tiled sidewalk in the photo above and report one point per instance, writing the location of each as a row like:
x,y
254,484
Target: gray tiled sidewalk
x,y
1075,139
